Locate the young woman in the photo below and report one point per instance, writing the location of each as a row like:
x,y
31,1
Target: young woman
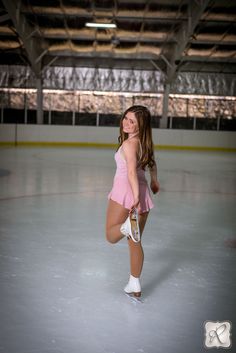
x,y
129,200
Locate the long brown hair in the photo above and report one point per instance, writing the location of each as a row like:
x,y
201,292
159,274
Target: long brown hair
x,y
143,117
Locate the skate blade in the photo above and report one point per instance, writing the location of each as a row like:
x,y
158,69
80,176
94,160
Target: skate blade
x,y
133,298
134,229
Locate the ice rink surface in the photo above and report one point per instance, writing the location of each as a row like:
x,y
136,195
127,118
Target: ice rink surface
x,y
62,283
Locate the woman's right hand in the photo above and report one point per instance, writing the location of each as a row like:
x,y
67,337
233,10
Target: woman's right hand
x,y
135,205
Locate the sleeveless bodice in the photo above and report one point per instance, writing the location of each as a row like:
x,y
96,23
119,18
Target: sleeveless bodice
x,y
121,168
122,192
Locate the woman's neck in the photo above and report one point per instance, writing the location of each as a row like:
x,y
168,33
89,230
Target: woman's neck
x,y
133,135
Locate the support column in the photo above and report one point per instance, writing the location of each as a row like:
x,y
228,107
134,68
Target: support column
x,y
164,118
39,100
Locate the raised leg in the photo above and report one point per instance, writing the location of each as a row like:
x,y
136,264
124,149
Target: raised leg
x,y
116,216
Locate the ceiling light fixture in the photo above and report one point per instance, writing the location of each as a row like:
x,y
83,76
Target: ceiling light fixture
x,y
100,25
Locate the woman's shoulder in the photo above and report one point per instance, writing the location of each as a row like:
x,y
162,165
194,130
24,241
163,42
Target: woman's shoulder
x,y
130,145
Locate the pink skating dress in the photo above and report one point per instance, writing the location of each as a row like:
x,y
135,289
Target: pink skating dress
x,y
122,192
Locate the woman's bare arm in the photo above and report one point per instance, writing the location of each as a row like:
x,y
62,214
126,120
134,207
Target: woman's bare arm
x,y
130,152
154,184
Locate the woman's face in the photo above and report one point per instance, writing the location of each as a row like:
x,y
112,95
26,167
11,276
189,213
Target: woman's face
x,y
130,123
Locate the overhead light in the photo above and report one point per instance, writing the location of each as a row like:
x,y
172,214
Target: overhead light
x,y
100,25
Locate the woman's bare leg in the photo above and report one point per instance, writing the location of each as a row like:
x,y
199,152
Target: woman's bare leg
x,y
136,250
116,216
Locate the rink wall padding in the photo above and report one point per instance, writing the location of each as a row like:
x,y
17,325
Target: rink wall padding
x,y
106,137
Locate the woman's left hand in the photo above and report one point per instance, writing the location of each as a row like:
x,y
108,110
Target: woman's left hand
x,y
155,186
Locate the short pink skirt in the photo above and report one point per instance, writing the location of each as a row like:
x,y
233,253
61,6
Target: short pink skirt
x,y
122,194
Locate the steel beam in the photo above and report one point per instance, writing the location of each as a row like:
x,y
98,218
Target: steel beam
x,y
164,118
158,67
4,18
25,30
39,101
195,11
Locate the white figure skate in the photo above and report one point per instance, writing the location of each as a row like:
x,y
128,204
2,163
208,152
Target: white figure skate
x,y
130,228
